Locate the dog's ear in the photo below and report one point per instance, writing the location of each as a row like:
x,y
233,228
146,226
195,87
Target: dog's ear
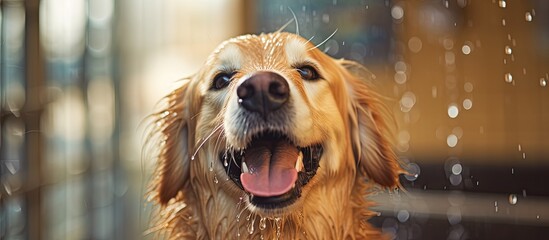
x,y
370,132
170,134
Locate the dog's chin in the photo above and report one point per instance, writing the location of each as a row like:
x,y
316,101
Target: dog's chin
x,y
272,171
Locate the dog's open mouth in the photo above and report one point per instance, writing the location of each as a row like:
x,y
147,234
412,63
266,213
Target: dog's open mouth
x,y
272,169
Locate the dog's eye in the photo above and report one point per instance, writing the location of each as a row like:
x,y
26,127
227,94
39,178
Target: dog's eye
x,y
308,73
221,80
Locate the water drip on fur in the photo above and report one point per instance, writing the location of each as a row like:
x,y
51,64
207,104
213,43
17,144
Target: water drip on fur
x,y
238,206
251,228
215,179
211,166
277,222
262,223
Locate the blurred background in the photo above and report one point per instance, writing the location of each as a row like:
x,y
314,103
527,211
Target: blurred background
x,y
468,82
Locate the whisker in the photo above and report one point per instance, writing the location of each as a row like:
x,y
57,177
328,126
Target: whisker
x,y
206,139
218,141
285,25
310,39
296,22
325,40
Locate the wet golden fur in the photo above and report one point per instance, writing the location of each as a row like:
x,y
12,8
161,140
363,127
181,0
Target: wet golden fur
x,y
195,198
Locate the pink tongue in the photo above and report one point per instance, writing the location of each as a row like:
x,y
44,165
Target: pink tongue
x,y
271,167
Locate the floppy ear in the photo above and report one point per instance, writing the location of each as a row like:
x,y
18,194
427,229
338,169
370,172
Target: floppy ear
x,y
171,135
369,129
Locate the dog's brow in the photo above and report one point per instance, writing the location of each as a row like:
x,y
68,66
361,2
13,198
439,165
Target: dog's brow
x,y
295,51
230,57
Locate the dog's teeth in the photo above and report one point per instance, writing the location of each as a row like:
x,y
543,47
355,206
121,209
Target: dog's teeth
x,y
244,167
299,162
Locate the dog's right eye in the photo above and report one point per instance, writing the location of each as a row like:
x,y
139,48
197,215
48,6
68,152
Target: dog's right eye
x,y
221,80
308,72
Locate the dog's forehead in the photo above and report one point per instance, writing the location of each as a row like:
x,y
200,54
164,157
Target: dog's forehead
x,y
260,51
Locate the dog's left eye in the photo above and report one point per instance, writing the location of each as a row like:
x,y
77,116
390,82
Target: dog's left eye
x,y
308,72
221,80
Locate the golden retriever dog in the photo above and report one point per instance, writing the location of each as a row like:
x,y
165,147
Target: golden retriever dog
x,y
271,139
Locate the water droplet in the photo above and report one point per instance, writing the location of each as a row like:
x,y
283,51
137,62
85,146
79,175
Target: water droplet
x,y
251,227
496,205
456,169
325,18
523,155
503,22
524,192
400,77
528,16
397,12
451,140
453,111
466,49
454,215
513,199
403,216
520,148
278,227
400,66
240,100
414,170
477,183
415,44
508,78
502,4
542,82
455,179
537,216
407,101
262,224
225,162
215,179
512,171
449,58
211,166
508,50
7,187
467,104
192,158
448,43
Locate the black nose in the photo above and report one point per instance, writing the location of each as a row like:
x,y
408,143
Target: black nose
x,y
263,92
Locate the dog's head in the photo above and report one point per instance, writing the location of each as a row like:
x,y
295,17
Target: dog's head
x,y
267,120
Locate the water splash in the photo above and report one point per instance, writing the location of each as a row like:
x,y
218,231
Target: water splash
x,y
502,4
508,78
528,16
513,199
508,50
